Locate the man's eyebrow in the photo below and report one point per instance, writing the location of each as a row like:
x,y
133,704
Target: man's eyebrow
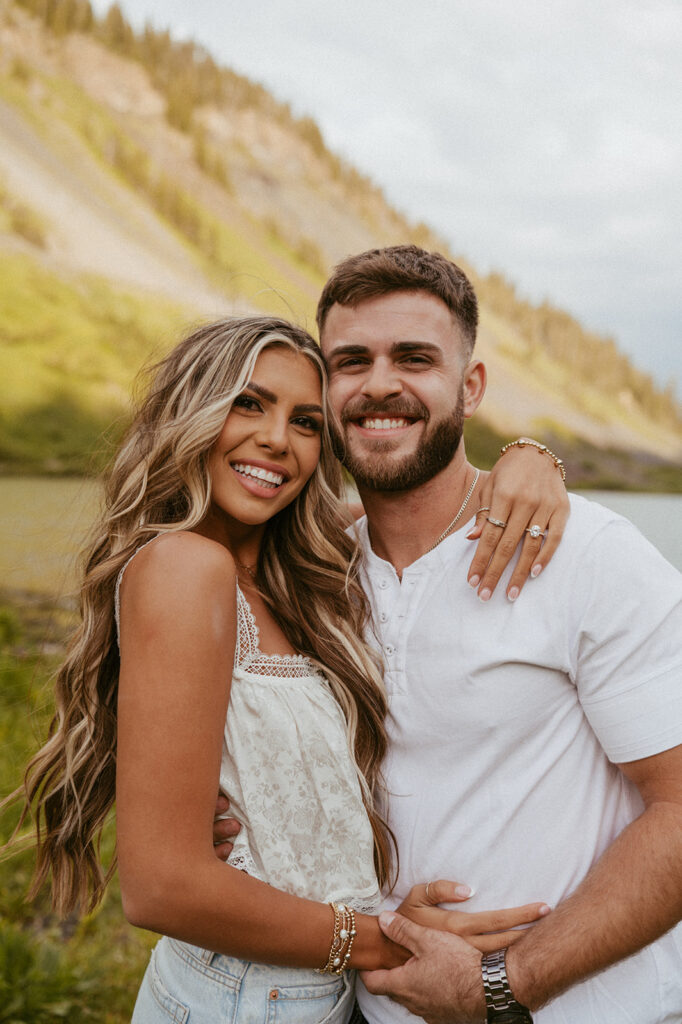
x,y
271,397
396,349
348,350
414,346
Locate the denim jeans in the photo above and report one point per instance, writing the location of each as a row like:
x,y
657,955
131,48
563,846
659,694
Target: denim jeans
x,y
184,984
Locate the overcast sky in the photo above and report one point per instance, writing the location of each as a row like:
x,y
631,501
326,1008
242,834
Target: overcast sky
x,y
541,139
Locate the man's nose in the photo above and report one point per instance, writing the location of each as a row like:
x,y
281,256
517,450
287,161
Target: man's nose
x,y
382,380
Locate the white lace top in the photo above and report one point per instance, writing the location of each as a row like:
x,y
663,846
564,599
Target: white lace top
x,y
288,773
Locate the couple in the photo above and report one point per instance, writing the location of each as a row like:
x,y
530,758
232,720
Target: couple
x,y
529,745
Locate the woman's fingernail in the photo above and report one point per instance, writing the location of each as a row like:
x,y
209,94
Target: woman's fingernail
x,y
474,581
544,910
535,571
470,536
464,891
485,594
513,593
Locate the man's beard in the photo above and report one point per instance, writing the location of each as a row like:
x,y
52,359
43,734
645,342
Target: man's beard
x,y
377,471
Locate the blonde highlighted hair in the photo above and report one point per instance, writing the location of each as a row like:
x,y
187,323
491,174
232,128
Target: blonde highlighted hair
x,y
307,572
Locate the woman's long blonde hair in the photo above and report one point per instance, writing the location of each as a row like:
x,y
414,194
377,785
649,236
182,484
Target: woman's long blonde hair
x,y
307,572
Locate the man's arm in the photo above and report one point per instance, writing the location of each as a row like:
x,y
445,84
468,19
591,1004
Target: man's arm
x,y
632,895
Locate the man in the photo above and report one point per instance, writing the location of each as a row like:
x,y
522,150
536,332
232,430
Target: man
x,y
534,745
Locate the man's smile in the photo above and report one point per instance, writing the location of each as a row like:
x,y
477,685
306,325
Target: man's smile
x,y
383,423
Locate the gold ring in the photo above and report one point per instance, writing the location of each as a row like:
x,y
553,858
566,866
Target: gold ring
x,y
483,508
427,890
496,522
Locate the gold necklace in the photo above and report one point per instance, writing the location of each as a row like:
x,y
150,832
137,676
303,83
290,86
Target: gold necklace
x,y
251,569
459,515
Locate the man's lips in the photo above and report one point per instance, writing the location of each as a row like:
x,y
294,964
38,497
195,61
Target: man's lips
x,y
382,425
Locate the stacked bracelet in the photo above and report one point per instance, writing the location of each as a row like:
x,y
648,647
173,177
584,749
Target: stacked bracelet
x,y
523,441
342,939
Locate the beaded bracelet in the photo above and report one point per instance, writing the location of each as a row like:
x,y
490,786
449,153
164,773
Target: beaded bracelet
x,y
523,441
342,940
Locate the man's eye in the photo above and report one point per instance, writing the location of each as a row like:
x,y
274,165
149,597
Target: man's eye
x,y
351,363
417,360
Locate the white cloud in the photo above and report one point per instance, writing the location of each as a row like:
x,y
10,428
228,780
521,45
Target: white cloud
x,y
542,139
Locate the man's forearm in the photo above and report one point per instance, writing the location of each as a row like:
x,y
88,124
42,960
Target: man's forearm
x,y
631,896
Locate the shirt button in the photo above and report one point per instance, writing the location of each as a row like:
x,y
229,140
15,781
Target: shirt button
x,y
383,584
383,616
390,649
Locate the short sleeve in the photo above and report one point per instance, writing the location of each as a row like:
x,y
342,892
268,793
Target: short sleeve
x,y
628,648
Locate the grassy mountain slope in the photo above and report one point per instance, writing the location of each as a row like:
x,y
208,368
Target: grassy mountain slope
x,y
142,187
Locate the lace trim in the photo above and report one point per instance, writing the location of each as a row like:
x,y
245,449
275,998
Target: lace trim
x,y
249,656
243,861
363,903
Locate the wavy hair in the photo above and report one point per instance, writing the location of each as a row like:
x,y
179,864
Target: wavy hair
x,y
307,572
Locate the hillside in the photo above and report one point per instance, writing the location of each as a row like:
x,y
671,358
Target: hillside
x,y
143,187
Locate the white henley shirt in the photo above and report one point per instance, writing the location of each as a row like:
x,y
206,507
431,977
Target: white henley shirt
x,y
506,723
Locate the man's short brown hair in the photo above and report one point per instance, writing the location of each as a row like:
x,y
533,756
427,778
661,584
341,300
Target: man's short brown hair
x,y
402,268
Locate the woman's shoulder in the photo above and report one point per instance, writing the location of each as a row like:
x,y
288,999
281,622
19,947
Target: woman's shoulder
x,y
182,563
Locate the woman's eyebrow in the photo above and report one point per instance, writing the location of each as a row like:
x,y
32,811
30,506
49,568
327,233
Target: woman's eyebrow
x,y
271,397
308,408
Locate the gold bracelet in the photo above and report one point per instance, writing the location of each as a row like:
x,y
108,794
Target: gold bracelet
x,y
342,940
523,441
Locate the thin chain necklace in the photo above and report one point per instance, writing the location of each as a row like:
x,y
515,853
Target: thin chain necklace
x,y
459,515
250,569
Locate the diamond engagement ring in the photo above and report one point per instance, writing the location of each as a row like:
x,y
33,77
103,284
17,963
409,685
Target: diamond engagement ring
x,y
535,531
496,522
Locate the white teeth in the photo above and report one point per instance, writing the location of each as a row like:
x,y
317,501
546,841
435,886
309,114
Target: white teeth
x,y
262,475
377,424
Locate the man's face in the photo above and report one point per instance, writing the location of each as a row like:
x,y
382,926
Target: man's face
x,y
397,388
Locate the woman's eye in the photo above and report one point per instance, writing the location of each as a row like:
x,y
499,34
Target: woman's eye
x,y
308,423
246,402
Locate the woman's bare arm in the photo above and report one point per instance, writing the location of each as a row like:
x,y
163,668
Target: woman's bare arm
x,y
178,632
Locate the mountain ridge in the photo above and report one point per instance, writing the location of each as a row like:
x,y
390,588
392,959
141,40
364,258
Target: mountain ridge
x,y
244,208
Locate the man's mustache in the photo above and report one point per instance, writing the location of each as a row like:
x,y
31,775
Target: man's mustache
x,y
396,410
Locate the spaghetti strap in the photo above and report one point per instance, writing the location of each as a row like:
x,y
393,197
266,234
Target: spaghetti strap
x,y
117,591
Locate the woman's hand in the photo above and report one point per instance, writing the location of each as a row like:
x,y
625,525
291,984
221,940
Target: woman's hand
x,y
524,489
486,930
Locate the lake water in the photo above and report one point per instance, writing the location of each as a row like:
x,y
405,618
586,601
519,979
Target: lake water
x,y
43,523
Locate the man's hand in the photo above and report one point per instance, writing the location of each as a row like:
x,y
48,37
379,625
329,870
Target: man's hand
x,y
224,829
441,982
524,489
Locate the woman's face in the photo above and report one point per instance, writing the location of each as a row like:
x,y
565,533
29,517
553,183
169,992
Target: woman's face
x,y
270,444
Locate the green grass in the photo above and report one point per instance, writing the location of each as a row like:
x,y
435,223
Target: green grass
x,y
51,970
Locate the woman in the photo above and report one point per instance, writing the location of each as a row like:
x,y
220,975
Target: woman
x,y
223,567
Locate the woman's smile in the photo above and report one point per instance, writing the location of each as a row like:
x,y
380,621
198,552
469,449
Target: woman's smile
x,y
269,446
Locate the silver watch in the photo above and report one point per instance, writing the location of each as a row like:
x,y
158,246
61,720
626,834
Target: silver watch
x,y
500,1005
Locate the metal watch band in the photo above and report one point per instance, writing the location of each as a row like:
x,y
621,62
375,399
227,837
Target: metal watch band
x,y
501,1007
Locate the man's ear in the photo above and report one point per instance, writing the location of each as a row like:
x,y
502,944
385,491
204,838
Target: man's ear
x,y
475,380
